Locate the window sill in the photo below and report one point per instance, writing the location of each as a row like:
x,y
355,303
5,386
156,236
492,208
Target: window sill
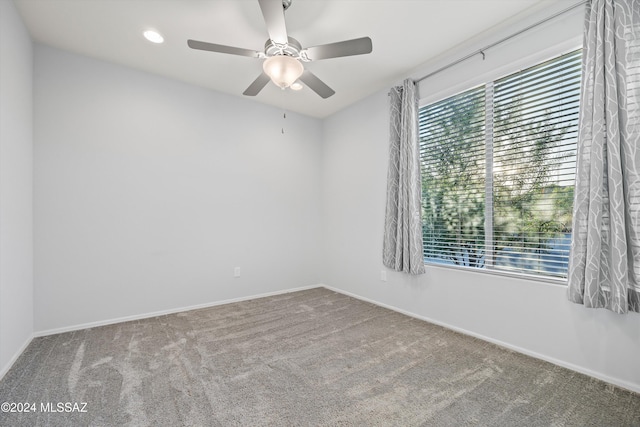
x,y
559,281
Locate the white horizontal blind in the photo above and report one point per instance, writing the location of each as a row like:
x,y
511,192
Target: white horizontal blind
x,y
534,159
453,167
519,219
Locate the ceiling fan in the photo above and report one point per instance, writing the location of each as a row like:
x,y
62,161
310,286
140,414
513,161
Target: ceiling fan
x,y
284,56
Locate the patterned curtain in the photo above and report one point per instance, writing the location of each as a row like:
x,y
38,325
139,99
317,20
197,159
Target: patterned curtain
x,y
604,269
402,245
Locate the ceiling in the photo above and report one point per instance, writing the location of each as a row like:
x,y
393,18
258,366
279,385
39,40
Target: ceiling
x,y
405,34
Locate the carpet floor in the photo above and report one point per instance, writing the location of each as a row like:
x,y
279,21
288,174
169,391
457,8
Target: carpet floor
x,y
308,358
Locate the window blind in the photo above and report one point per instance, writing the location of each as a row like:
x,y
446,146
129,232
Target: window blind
x,y
498,165
453,165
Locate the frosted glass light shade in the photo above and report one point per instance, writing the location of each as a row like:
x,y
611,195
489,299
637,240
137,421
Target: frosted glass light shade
x,y
283,70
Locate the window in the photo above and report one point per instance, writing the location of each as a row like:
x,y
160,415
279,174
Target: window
x,y
498,166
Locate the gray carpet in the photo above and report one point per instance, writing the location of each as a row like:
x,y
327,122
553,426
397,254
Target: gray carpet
x,y
306,358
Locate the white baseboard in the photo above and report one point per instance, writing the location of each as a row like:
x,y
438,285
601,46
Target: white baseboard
x,y
165,312
611,380
17,354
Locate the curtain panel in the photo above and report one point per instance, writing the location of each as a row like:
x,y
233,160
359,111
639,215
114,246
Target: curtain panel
x,y
604,270
402,244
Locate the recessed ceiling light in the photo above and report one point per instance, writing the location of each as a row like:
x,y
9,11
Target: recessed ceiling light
x,y
296,86
153,36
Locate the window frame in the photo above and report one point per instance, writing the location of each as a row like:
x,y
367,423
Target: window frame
x,y
489,91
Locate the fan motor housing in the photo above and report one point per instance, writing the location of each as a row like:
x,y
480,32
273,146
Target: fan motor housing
x,y
292,48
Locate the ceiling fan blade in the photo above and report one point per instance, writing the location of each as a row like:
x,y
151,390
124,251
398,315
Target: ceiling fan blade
x,y
211,47
257,85
359,46
316,85
273,13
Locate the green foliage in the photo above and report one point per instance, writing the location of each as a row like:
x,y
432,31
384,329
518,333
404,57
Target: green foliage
x,y
529,209
453,185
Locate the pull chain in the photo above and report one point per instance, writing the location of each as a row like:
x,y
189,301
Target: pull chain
x,y
284,111
284,117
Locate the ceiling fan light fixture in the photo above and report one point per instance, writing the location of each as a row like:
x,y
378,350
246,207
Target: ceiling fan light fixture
x,y
284,56
283,70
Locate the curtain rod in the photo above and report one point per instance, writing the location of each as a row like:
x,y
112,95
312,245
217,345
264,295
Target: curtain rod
x,y
489,46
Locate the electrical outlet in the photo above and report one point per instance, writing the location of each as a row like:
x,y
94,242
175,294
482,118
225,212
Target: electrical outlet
x,y
236,272
383,275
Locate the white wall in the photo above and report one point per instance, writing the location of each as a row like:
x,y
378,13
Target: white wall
x,y
16,202
532,317
529,42
148,192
